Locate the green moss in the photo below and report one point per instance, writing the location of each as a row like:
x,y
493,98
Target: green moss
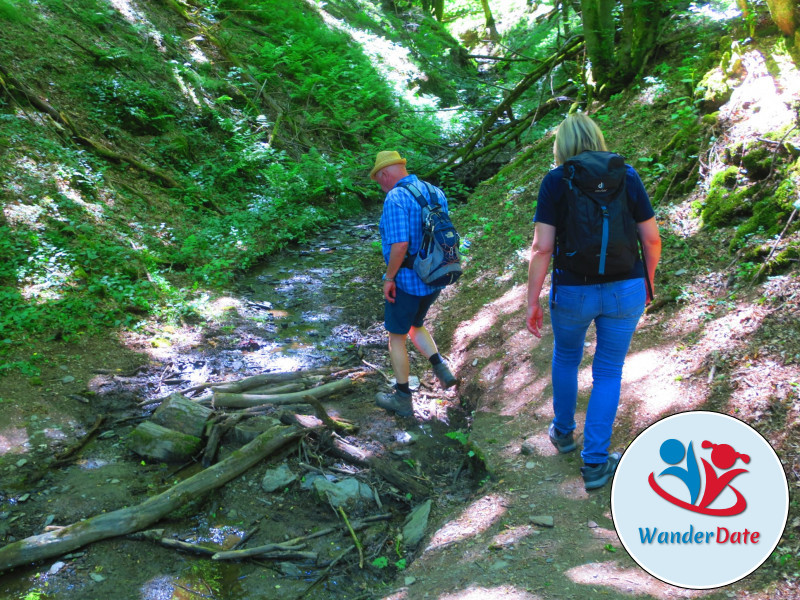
x,y
785,195
714,89
766,220
757,161
722,202
785,259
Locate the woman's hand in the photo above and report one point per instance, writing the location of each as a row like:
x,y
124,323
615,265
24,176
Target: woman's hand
x,y
535,318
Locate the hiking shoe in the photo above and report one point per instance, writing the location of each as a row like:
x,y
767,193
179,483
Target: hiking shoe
x,y
563,443
596,477
396,402
443,374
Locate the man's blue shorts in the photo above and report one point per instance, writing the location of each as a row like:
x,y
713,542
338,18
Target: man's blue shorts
x,y
407,311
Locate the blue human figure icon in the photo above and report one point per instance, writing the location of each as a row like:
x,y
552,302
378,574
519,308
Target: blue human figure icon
x,y
672,453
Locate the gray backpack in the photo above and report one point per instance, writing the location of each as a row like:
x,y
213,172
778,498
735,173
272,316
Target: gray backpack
x,y
438,262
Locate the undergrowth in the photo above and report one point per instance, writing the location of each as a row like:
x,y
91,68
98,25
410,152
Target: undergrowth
x,y
268,120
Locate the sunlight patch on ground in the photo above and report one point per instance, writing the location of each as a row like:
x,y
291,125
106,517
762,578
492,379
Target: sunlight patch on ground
x,y
509,537
632,581
46,274
573,488
520,395
393,62
13,439
133,15
487,316
475,519
762,385
759,95
186,89
62,183
507,592
648,365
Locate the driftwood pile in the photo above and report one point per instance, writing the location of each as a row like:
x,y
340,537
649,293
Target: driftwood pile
x,y
212,417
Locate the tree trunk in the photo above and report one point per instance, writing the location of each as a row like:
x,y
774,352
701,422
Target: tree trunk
x,y
598,31
438,10
133,518
248,400
613,67
782,12
491,27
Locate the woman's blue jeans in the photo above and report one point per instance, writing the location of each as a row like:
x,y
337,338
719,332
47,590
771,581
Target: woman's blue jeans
x,y
615,308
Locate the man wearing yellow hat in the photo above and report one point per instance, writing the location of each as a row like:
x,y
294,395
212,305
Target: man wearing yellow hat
x,y
407,297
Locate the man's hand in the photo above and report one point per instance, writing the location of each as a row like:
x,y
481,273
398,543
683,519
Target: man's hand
x,y
535,318
389,291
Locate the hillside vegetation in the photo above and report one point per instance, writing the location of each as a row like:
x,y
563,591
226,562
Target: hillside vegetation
x,y
154,154
152,149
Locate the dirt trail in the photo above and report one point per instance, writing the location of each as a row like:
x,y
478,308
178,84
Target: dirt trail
x,y
500,545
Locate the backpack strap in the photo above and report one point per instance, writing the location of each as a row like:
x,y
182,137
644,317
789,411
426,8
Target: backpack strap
x,y
419,197
408,261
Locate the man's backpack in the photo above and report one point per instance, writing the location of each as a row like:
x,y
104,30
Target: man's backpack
x,y
438,262
597,233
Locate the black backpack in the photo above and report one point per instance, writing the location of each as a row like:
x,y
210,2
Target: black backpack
x,y
597,233
438,262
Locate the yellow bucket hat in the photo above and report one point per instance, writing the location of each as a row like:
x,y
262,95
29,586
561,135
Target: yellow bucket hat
x,y
384,159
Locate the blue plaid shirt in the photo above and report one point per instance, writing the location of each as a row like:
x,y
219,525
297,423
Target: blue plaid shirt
x,y
401,221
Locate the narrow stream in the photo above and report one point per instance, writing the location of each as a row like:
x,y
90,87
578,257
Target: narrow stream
x,y
314,304
309,305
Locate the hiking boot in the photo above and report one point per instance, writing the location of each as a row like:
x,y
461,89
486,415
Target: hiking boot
x,y
563,443
396,402
443,374
596,477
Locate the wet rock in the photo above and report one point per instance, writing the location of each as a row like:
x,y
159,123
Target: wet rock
x,y
348,493
181,414
56,567
277,479
308,481
160,443
542,520
290,570
250,429
416,524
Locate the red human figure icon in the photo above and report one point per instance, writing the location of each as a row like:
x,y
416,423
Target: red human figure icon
x,y
724,457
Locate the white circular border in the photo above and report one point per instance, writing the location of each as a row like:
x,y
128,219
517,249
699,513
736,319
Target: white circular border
x,y
684,415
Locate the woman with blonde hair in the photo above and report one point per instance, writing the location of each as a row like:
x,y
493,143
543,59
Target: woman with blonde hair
x,y
613,302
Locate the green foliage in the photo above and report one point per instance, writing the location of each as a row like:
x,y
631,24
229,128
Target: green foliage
x,y
459,436
9,11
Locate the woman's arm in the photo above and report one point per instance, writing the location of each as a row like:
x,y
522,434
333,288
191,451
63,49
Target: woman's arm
x,y
651,246
544,238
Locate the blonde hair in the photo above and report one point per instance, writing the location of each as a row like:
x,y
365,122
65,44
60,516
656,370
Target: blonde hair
x,y
575,134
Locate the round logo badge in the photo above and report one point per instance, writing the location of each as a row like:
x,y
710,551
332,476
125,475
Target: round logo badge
x,y
699,500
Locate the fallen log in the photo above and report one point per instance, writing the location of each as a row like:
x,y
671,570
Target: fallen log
x,y
255,381
229,400
337,425
296,542
134,518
